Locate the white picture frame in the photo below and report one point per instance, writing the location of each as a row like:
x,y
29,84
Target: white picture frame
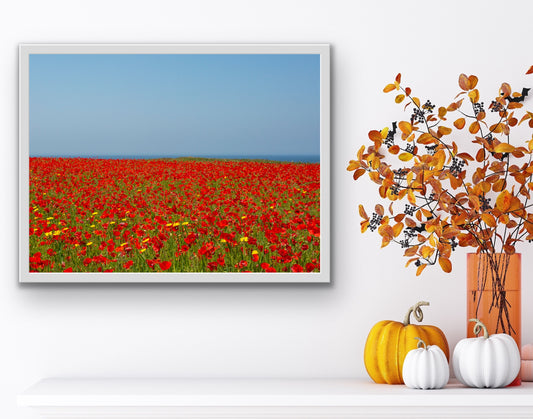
x,y
25,90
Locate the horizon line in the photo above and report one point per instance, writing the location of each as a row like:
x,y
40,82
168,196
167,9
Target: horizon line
x,y
310,158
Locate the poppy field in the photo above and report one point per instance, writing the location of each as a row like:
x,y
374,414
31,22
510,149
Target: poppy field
x,y
173,215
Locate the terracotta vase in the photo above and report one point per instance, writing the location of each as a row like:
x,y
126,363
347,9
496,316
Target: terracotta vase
x,y
493,294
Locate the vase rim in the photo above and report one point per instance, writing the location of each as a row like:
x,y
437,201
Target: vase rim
x,y
494,253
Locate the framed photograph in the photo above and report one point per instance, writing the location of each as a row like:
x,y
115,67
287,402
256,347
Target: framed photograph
x,y
174,163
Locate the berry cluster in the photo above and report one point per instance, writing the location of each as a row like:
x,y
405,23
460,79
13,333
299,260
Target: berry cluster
x,y
409,233
389,141
428,106
457,166
400,173
409,209
409,148
454,243
417,116
431,149
489,138
375,221
478,107
485,202
404,244
496,106
395,189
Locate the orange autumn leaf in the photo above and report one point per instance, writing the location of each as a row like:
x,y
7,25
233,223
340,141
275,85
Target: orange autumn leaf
x,y
374,177
464,83
420,269
459,123
488,219
505,90
442,130
362,212
473,81
474,95
504,148
375,135
427,251
358,173
411,251
510,250
405,127
499,185
405,156
389,88
439,158
352,165
503,202
445,264
399,98
395,149
474,127
426,138
360,152
397,229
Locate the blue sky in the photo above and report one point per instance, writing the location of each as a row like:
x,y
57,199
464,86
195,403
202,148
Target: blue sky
x,y
175,105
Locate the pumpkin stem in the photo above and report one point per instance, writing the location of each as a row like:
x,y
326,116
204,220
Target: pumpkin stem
x,y
421,343
480,326
417,312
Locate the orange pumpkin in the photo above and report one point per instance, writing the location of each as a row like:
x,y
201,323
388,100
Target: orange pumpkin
x,y
389,341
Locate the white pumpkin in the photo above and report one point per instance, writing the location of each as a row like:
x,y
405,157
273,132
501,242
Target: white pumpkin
x,y
425,367
486,361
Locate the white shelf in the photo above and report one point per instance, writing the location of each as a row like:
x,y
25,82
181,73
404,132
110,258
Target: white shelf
x,y
268,398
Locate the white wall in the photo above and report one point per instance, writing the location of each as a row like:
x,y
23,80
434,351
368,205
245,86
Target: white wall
x,y
255,330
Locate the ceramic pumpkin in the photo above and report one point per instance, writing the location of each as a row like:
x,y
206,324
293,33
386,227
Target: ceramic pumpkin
x,y
486,361
425,367
389,342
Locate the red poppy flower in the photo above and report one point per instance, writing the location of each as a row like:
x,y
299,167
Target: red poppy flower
x,y
165,265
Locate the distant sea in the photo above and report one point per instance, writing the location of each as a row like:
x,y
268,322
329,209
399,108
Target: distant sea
x,y
289,158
